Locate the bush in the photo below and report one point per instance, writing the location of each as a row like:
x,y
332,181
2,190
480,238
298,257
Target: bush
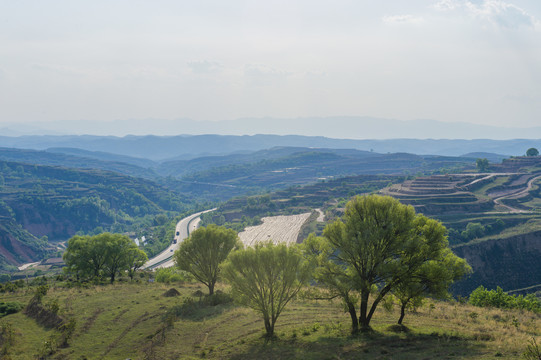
x,y
473,231
190,306
533,352
40,292
7,308
8,287
7,339
500,299
217,298
167,275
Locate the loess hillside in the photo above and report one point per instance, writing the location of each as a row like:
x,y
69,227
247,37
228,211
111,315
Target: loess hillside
x,y
41,204
493,218
136,320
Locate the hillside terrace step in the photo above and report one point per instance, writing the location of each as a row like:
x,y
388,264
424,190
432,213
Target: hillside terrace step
x,y
426,191
458,200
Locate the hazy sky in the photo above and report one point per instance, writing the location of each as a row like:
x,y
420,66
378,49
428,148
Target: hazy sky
x,y
449,60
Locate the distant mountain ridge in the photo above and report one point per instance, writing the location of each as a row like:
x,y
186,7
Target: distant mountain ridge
x,y
159,148
349,127
81,161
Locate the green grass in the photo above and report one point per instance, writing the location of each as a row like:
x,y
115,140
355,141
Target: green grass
x,y
529,226
482,191
128,321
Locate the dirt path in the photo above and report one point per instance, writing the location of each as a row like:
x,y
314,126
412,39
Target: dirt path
x,y
485,176
321,217
517,194
26,266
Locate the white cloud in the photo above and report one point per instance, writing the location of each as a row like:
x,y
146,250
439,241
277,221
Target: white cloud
x,y
261,75
446,5
402,19
495,12
502,14
204,66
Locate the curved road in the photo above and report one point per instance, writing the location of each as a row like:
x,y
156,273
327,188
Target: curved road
x,y
518,193
183,229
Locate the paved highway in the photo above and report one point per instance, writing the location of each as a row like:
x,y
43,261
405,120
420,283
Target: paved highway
x,y
182,231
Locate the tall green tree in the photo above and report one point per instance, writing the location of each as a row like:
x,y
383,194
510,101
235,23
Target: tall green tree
x,y
382,243
99,255
86,255
432,278
338,277
482,164
117,251
136,258
266,277
202,253
532,152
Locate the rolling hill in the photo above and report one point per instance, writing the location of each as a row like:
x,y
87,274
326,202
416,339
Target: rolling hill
x,y
160,148
137,320
493,219
38,201
79,159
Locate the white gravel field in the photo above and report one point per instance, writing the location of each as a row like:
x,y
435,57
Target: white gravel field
x,y
283,228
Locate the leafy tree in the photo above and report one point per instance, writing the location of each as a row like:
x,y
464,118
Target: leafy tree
x,y
532,152
85,255
136,258
118,248
382,243
482,164
95,256
433,278
202,253
266,277
473,231
337,277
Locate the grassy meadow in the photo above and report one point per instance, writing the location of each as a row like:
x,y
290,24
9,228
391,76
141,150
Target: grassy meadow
x,y
136,321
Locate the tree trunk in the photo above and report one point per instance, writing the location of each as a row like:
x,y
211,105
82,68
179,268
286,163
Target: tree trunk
x,y
364,321
269,328
402,313
353,314
211,288
376,302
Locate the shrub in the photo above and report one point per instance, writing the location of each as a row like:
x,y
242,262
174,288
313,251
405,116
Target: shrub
x,y
66,332
500,299
190,306
7,308
218,298
40,292
9,287
533,352
7,339
167,275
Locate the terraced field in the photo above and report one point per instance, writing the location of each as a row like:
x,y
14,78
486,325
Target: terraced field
x,y
493,221
441,194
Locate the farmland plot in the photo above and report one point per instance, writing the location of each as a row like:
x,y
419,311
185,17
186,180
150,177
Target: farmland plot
x,y
278,228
